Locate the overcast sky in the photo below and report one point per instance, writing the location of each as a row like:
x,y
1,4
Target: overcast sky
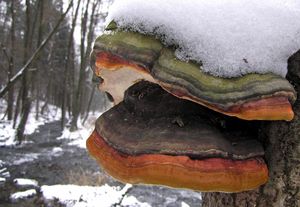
x,y
77,35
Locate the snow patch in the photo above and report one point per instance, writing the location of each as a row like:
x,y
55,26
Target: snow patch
x,y
73,195
78,138
56,151
230,37
7,132
133,202
22,195
24,182
183,204
2,163
4,173
26,158
52,114
190,193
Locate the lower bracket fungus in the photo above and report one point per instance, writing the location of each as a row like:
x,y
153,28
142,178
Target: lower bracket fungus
x,y
138,141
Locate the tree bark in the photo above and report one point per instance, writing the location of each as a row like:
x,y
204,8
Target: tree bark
x,y
67,66
10,99
282,145
26,100
35,78
23,120
77,105
89,104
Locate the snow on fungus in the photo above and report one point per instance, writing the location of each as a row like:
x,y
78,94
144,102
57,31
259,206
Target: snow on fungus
x,y
231,38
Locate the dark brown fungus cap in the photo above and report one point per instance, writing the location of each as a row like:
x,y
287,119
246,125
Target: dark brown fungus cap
x,y
153,137
152,121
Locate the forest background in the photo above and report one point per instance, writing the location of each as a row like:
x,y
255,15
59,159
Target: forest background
x,y
44,59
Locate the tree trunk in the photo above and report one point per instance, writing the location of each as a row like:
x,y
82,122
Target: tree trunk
x,y
23,120
35,77
10,100
26,100
25,68
77,106
282,144
17,108
67,66
89,104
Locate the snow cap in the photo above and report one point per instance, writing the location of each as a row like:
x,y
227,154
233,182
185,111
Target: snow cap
x,y
230,37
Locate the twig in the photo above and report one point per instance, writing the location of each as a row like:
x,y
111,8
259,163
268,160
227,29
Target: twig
x,y
22,71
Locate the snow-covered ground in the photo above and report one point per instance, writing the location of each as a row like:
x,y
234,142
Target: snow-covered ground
x,y
104,196
79,137
25,182
15,197
4,173
25,158
74,195
7,132
79,196
38,154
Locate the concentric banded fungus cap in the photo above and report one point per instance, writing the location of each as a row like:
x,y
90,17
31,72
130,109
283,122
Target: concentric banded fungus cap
x,y
153,137
124,58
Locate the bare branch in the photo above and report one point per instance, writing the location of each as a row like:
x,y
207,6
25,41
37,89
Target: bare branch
x,y
22,71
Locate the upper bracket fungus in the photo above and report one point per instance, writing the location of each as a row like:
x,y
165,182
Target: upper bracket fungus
x,y
124,58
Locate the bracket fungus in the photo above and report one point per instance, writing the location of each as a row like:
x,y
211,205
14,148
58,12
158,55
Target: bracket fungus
x,y
138,141
174,124
124,58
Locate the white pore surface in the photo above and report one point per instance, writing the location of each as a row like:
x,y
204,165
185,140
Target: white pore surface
x,y
230,37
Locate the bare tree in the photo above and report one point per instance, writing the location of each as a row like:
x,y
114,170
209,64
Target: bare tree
x,y
35,80
67,65
26,102
22,71
77,101
10,100
90,38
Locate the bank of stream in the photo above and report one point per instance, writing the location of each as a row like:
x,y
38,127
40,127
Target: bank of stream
x,y
52,161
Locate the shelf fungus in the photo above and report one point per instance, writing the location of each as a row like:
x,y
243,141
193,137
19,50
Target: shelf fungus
x,y
174,125
124,58
138,141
